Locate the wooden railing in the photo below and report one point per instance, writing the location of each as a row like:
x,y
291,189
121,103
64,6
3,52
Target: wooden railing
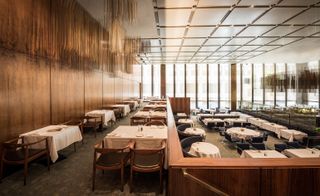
x,y
238,176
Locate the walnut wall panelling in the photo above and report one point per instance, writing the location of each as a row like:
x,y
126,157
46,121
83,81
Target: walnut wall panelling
x,y
108,89
93,90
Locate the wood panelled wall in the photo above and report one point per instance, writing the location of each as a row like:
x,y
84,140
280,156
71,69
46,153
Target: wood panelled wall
x,y
51,65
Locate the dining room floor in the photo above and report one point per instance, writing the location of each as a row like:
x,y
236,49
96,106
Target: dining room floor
x,y
72,173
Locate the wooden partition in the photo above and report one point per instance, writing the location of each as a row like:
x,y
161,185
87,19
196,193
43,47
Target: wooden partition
x,y
180,104
52,67
238,176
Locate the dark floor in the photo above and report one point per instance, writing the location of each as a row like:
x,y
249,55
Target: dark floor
x,y
73,174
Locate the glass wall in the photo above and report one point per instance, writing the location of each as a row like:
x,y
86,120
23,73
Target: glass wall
x,y
213,85
202,86
238,85
179,80
156,81
258,84
247,83
280,84
225,85
269,85
169,80
146,71
292,85
313,76
191,84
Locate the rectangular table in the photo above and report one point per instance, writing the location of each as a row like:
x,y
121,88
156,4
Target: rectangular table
x,y
214,121
135,104
273,127
291,134
150,114
256,121
302,153
150,137
58,140
262,154
106,115
125,108
230,121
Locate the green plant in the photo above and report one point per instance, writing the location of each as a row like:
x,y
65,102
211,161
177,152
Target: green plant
x,y
317,129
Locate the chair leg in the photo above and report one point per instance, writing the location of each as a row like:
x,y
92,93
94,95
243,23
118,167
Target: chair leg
x,y
122,178
48,161
93,177
25,173
130,184
161,184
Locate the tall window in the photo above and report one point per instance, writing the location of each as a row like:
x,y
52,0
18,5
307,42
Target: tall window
x,y
169,80
269,85
313,93
238,85
280,84
146,80
191,84
292,84
179,80
258,84
247,83
156,80
225,87
202,86
213,85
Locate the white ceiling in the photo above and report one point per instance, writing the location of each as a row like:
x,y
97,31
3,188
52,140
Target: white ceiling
x,y
228,31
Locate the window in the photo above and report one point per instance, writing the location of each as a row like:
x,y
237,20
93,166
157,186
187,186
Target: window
x,y
213,85
258,84
156,80
313,92
247,83
225,87
191,84
169,80
280,84
179,80
202,86
269,85
146,80
292,84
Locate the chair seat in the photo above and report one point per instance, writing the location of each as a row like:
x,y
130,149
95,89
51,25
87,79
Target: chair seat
x,y
111,159
149,161
19,155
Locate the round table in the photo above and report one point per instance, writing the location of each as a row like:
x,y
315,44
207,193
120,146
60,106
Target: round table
x,y
186,121
242,133
204,149
195,131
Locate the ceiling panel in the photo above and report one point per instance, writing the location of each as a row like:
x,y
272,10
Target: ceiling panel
x,y
170,49
216,41
155,49
283,41
307,31
226,31
199,31
172,32
174,17
228,48
189,48
267,48
208,16
248,48
308,17
239,41
261,41
216,2
255,30
281,31
175,3
209,48
278,15
298,2
243,15
193,41
260,2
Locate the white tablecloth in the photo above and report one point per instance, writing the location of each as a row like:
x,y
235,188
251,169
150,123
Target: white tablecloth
x,y
262,154
155,106
136,104
291,134
126,108
256,121
150,114
186,121
204,149
230,121
181,114
242,116
206,121
150,137
273,128
242,133
195,131
302,153
201,116
107,115
58,140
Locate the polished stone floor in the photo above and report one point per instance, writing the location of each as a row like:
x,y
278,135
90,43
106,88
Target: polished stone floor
x,y
72,175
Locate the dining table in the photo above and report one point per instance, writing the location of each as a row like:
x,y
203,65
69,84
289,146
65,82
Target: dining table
x,y
59,137
262,154
302,153
125,108
205,149
195,131
291,134
242,133
106,115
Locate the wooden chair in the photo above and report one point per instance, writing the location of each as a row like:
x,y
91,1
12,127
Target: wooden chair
x,y
91,122
138,120
162,119
155,122
15,153
146,161
110,159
